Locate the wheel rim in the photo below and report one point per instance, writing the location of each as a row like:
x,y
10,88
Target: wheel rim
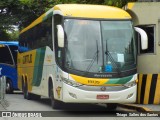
x,y
8,86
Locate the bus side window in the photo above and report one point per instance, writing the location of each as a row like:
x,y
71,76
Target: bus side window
x,y
5,55
14,52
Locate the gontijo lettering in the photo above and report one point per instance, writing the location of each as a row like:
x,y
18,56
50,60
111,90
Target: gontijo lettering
x,y
27,59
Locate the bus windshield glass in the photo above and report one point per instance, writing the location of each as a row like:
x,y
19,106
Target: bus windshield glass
x,y
99,46
5,55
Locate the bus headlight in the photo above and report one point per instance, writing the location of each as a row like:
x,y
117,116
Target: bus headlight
x,y
130,84
71,82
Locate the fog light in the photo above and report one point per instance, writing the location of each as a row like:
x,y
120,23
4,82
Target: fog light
x,y
130,95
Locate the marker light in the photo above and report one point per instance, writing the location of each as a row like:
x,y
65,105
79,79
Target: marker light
x,y
130,84
71,82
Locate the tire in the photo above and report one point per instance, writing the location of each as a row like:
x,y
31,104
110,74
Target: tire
x,y
111,106
9,88
24,89
55,104
23,86
26,94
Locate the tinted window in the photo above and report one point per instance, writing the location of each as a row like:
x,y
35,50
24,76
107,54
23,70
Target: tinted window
x,y
37,37
14,52
5,56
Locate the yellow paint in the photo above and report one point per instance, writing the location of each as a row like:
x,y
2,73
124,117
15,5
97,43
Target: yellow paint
x,y
49,58
92,11
147,89
157,92
26,69
89,81
147,93
2,45
58,90
37,21
139,87
135,107
86,11
130,5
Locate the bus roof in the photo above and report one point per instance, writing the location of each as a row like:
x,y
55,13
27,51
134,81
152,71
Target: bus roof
x,y
83,11
92,11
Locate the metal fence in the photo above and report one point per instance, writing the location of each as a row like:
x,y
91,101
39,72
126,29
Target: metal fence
x,y
2,88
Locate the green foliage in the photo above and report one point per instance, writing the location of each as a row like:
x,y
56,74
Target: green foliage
x,y
22,12
4,36
118,3
9,35
13,35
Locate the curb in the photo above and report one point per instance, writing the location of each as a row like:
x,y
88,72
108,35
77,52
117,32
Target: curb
x,y
140,109
135,107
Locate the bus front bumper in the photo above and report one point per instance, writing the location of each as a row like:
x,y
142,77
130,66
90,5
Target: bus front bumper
x,y
75,95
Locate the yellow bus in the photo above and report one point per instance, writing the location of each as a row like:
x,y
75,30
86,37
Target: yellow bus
x,y
78,53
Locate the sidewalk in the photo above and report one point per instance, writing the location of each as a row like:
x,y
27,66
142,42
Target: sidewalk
x,y
149,108
3,105
138,107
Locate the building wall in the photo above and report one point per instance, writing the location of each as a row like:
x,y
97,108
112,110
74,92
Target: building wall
x,y
146,14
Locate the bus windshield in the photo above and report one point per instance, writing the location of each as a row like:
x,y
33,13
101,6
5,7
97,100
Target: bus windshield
x,y
5,55
99,46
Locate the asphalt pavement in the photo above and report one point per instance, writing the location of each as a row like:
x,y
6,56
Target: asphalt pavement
x,y
138,107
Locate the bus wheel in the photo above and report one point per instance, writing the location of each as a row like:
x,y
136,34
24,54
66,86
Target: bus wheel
x,y
23,86
9,89
111,106
54,103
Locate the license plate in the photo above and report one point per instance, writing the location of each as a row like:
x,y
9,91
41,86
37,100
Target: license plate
x,y
102,96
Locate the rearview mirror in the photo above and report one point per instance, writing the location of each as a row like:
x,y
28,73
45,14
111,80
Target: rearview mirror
x,y
144,38
60,36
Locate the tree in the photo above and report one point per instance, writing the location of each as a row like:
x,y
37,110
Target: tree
x,y
118,3
4,36
22,12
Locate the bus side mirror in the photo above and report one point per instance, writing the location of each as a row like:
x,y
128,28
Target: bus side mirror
x,y
144,38
60,36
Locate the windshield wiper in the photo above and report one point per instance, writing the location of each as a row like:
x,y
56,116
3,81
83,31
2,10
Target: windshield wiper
x,y
94,57
113,61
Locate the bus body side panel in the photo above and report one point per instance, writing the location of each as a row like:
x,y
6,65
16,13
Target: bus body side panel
x,y
49,71
148,66
11,73
31,66
38,66
8,62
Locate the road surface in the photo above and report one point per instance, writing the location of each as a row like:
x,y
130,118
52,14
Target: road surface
x,y
16,102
